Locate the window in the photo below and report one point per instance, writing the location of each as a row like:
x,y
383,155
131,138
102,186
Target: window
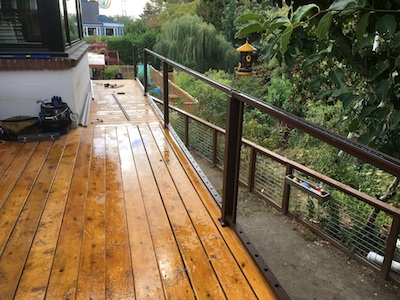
x,y
39,26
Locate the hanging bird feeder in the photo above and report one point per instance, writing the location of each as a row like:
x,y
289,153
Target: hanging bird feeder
x,y
245,60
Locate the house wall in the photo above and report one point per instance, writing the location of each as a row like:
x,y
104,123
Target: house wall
x,y
20,89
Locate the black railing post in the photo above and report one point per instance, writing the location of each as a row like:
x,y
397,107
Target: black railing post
x,y
286,191
135,60
145,72
390,247
233,140
165,93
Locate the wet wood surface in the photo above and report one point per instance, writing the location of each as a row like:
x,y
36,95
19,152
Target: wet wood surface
x,y
115,211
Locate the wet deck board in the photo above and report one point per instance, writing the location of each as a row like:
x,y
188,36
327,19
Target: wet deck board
x,y
115,211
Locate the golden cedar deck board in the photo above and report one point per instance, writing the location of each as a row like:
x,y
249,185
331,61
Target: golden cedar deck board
x,y
119,274
201,274
257,280
229,273
34,280
172,269
147,278
64,274
13,172
19,194
8,154
15,253
91,279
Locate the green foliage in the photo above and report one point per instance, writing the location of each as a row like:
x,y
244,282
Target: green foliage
x,y
212,102
110,71
356,37
191,42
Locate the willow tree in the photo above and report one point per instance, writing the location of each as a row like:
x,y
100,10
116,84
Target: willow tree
x,y
196,44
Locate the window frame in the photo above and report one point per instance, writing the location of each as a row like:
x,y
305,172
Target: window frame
x,y
51,30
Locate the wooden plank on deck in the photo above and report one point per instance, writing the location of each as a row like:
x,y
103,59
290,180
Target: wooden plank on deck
x,y
201,273
64,274
172,269
147,278
16,251
35,277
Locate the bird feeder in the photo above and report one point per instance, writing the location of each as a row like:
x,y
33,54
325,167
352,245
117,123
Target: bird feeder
x,y
245,60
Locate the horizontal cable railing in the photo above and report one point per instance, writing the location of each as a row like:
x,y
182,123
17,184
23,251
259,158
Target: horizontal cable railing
x,y
354,221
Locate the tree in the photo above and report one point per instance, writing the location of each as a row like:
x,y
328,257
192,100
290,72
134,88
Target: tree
x,y
359,41
196,44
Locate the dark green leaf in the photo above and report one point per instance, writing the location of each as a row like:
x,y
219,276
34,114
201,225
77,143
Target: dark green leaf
x,y
289,60
276,23
303,11
337,76
287,33
380,114
340,4
249,17
315,84
364,139
269,47
348,100
362,26
311,60
386,25
363,43
366,111
379,68
323,94
397,62
396,40
343,90
395,119
353,125
382,88
252,28
324,25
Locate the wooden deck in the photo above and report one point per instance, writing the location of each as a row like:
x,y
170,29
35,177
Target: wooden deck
x,y
115,211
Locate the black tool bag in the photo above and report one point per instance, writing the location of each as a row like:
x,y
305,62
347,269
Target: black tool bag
x,y
55,115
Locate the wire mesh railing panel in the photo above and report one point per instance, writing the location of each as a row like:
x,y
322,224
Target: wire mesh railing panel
x,y
245,156
220,150
268,178
177,121
353,223
200,140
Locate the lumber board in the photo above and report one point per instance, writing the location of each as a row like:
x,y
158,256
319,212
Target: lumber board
x,y
226,267
15,202
16,251
8,154
172,269
147,279
91,279
119,273
202,276
34,279
64,273
13,172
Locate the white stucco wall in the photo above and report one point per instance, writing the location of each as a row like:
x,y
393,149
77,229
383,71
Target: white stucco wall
x,y
19,90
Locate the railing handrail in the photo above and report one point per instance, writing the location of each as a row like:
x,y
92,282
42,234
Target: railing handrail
x,y
374,157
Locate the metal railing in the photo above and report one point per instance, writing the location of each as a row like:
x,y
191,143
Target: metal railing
x,y
271,176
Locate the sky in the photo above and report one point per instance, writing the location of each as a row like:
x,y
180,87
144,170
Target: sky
x,y
133,8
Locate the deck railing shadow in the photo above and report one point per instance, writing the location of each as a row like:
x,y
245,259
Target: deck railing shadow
x,y
288,186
